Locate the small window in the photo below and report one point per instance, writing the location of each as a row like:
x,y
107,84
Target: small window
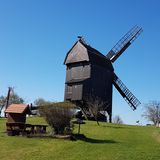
x,y
69,89
68,67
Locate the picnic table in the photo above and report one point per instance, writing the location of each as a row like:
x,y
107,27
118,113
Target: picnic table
x,y
17,128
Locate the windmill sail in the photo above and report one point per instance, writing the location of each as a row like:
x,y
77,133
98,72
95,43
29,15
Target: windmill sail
x,y
125,92
124,43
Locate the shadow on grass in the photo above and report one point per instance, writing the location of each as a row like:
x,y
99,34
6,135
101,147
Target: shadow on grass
x,y
115,127
73,137
91,140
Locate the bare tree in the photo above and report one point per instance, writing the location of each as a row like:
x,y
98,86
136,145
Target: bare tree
x,y
95,106
117,119
41,102
152,112
2,103
15,98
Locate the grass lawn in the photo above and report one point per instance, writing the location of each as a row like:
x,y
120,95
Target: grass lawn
x,y
104,142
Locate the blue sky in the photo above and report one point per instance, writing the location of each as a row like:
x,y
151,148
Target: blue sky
x,y
35,36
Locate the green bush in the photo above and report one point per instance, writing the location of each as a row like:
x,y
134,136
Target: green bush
x,y
58,116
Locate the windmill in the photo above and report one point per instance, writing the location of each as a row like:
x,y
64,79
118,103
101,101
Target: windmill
x,y
89,72
4,102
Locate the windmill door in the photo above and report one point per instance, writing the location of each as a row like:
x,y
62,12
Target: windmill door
x,y
77,92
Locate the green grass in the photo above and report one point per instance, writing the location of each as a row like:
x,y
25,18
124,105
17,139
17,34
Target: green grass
x,y
104,142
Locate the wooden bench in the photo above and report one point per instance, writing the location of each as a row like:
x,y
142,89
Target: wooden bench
x,y
36,128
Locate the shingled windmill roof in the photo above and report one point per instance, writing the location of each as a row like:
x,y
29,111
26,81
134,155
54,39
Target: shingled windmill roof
x,y
81,52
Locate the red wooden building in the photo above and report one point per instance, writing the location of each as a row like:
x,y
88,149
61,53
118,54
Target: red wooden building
x,y
16,113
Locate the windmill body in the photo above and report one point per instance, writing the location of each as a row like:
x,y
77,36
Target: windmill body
x,y
90,73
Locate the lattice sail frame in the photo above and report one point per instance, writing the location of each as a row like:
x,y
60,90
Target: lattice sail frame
x,y
124,43
125,92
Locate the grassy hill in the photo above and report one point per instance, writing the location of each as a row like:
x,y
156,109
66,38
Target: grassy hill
x,y
104,142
